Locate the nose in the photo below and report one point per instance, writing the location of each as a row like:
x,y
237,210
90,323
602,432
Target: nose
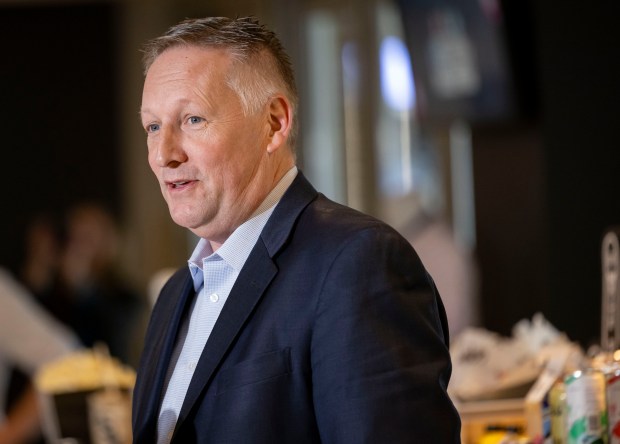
x,y
169,151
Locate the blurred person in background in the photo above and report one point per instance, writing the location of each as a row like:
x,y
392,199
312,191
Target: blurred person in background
x,y
29,338
38,268
92,295
297,320
72,267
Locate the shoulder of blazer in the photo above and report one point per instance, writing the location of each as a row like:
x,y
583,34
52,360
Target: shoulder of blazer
x,y
303,205
298,196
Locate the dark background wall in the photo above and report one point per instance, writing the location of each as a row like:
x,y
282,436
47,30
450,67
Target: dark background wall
x,y
546,183
58,117
580,93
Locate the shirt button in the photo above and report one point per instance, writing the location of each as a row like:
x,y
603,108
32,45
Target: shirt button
x,y
214,297
191,365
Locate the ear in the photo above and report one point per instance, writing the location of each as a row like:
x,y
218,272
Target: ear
x,y
280,121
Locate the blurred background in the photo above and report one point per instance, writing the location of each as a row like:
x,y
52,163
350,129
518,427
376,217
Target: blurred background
x,y
484,130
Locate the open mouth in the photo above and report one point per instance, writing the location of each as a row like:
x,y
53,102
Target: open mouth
x,y
178,184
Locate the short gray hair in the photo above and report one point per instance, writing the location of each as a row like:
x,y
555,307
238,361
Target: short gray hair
x,y
262,66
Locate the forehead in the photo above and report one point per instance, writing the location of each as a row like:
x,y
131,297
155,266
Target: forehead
x,y
186,70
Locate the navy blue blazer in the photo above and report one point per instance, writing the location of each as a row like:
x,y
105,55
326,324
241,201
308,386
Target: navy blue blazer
x,y
333,333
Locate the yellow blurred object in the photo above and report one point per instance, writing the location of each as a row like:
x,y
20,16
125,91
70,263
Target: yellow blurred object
x,y
492,437
84,370
503,435
478,416
86,397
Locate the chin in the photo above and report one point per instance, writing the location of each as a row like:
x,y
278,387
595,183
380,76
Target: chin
x,y
192,222
183,219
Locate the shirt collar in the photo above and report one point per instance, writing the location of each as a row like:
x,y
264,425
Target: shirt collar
x,y
236,249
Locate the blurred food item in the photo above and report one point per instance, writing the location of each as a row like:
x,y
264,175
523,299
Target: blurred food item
x,y
89,369
489,366
86,397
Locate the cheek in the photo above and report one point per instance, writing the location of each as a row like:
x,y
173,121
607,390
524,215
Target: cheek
x,y
150,157
250,148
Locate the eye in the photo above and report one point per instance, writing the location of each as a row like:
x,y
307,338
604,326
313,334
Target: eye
x,y
194,120
152,127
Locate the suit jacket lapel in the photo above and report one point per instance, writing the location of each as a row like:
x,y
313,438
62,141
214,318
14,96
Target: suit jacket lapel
x,y
244,296
254,278
170,311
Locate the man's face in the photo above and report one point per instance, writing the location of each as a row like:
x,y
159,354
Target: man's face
x,y
207,156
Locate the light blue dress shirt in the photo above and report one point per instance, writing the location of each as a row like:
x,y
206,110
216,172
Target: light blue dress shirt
x,y
214,274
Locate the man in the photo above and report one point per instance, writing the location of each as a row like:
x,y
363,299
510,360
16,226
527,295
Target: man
x,y
298,320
